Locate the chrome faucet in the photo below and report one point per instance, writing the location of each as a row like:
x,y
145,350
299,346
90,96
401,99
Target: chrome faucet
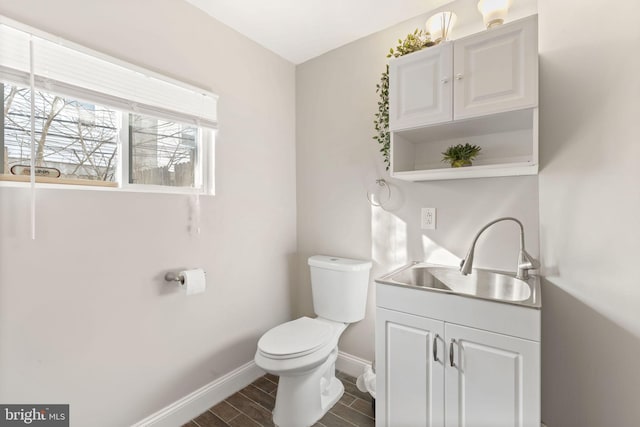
x,y
525,261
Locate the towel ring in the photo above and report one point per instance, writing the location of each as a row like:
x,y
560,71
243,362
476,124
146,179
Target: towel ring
x,y
383,184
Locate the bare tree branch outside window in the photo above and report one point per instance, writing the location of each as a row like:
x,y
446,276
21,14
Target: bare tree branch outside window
x,y
163,152
79,139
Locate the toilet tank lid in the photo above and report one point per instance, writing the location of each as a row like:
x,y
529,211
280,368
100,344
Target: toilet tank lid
x,y
339,264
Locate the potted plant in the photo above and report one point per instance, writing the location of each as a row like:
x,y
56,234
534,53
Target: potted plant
x,y
461,155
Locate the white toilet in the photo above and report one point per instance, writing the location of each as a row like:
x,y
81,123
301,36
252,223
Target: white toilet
x,y
303,352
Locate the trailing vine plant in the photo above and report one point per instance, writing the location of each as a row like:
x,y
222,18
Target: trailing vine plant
x,y
415,41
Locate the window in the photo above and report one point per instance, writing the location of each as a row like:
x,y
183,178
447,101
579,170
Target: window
x,y
162,152
97,120
77,139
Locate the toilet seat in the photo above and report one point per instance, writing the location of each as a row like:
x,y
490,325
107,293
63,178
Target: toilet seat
x,y
296,338
279,351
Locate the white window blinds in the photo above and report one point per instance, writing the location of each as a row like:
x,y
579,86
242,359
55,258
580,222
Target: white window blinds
x,y
68,69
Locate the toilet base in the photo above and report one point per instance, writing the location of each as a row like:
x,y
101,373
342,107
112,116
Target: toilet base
x,y
303,398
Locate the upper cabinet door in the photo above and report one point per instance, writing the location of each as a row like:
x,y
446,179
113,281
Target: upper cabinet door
x,y
497,70
421,88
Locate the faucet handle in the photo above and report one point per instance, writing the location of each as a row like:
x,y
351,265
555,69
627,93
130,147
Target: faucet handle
x,y
466,264
525,263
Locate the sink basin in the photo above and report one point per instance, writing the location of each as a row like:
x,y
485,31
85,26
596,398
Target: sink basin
x,y
484,284
420,276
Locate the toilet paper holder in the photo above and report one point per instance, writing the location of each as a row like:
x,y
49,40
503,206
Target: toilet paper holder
x,y
174,277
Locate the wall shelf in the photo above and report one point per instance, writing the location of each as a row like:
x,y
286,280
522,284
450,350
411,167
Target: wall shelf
x,y
487,171
509,144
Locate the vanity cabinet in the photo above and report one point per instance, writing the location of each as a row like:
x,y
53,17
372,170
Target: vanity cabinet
x,y
494,379
481,89
444,360
411,392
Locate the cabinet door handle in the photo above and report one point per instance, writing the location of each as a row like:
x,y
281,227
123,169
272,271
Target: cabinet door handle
x,y
459,76
445,80
451,362
435,348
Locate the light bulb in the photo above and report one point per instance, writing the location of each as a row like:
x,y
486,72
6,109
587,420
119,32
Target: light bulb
x,y
440,25
493,12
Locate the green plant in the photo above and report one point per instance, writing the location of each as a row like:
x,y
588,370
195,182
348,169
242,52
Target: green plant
x,y
460,155
415,41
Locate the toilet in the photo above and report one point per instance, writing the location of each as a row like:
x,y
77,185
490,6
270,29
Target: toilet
x,y
303,352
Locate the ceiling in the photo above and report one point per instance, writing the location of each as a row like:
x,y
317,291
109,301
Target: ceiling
x,y
299,30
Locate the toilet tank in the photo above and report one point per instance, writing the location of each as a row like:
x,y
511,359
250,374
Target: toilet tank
x,y
339,287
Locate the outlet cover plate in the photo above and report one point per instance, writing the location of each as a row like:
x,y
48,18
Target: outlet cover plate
x,y
428,219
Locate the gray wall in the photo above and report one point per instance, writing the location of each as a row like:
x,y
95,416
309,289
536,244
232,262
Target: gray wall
x,y
589,210
85,317
338,161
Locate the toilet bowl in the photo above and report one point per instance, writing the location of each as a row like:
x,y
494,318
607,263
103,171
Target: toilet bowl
x,y
303,352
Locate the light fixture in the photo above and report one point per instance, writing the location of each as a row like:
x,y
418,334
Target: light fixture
x,y
440,25
493,11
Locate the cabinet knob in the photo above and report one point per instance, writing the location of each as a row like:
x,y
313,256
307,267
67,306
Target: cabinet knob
x,y
445,80
459,76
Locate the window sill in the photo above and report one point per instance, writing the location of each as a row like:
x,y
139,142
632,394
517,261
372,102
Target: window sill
x,y
87,184
62,181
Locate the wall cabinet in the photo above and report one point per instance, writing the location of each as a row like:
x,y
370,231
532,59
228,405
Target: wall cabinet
x,y
421,88
481,89
434,371
497,70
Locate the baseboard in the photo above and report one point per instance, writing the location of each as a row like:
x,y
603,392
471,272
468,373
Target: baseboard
x,y
194,404
351,365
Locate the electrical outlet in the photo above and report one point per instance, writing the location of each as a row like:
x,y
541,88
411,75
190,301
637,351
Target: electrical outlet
x,y
428,218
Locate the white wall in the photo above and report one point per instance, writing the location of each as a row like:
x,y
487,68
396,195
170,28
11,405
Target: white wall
x,y
85,317
589,210
338,161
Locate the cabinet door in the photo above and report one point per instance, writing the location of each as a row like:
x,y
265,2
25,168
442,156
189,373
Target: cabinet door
x,y
497,70
409,382
495,380
421,88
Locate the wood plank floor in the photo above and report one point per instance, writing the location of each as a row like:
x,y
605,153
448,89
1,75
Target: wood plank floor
x,y
252,407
